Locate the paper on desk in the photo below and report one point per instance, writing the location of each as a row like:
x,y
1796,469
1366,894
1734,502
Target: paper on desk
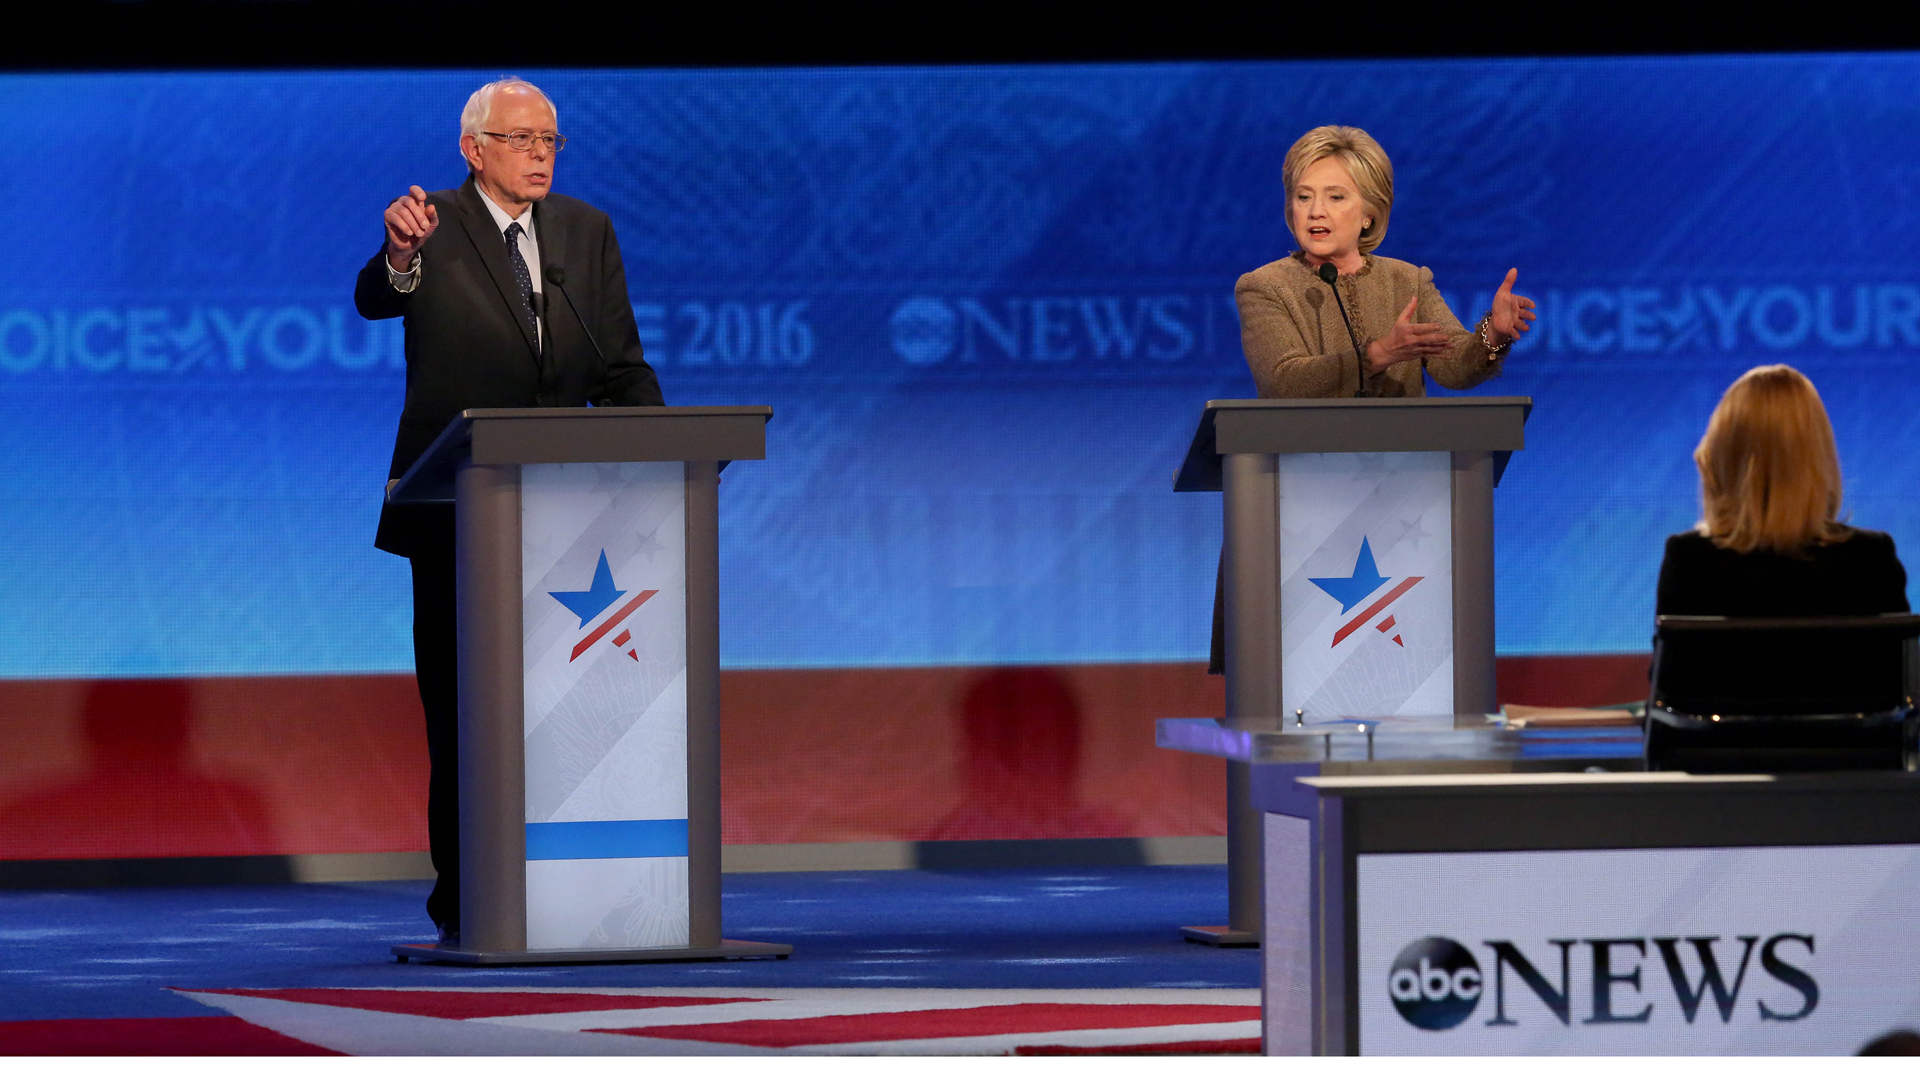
x,y
1551,716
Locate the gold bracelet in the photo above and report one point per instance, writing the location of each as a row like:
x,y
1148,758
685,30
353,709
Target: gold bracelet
x,y
1494,352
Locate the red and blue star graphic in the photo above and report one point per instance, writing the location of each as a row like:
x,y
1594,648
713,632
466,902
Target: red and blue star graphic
x,y
596,598
1365,580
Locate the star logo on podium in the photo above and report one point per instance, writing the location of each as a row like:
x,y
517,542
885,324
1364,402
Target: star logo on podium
x,y
596,598
649,546
1365,580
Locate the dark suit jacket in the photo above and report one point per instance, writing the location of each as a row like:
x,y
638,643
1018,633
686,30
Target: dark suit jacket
x,y
1860,575
469,346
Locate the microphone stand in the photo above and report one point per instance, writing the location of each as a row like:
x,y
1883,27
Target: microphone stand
x,y
557,277
544,395
1329,275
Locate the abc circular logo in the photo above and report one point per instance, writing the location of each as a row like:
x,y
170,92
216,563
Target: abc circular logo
x,y
924,330
1435,983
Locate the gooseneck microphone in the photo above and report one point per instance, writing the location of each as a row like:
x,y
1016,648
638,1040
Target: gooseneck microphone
x,y
1327,274
543,395
557,277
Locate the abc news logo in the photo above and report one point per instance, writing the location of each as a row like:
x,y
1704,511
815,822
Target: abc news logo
x,y
1436,983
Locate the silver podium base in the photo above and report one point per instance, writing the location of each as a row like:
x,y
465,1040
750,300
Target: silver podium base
x,y
454,954
1225,937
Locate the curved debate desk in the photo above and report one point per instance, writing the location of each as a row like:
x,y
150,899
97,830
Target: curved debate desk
x,y
1456,885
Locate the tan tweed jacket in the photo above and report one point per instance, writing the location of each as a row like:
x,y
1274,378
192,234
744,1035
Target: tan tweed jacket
x,y
1298,348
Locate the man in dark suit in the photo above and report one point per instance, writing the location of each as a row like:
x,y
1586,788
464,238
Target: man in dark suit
x,y
471,270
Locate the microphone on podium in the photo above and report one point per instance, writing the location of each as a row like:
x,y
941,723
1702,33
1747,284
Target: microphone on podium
x,y
1328,274
543,394
557,277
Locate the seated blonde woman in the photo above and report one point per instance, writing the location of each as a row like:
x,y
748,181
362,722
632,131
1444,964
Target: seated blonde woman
x,y
1770,541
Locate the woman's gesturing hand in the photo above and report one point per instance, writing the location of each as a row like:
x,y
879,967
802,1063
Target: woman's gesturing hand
x,y
1512,315
1409,340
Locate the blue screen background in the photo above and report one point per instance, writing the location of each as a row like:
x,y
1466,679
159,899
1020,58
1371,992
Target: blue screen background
x,y
986,304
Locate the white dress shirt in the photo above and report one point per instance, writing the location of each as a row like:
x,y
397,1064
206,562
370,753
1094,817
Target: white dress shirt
x,y
409,280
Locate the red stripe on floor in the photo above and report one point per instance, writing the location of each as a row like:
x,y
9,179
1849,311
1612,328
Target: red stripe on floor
x,y
155,1036
1210,1046
466,1005
944,1023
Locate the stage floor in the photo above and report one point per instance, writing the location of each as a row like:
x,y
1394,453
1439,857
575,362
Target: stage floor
x,y
1068,960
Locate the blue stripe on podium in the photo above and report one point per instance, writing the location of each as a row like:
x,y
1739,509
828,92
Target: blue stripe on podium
x,y
606,839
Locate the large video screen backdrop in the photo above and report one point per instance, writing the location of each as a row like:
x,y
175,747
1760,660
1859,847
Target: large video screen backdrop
x,y
986,305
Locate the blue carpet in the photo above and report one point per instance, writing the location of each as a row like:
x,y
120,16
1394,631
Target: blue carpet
x,y
113,952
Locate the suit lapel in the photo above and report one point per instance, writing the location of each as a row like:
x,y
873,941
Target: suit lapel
x,y
492,249
549,228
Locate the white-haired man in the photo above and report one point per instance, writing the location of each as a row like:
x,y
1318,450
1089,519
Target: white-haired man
x,y
469,268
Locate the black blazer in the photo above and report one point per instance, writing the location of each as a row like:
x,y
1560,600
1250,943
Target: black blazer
x,y
1860,575
468,345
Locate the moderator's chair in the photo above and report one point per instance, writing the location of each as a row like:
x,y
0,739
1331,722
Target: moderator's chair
x,y
1783,694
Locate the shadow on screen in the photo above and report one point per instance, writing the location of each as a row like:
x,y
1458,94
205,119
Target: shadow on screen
x,y
140,797
1020,774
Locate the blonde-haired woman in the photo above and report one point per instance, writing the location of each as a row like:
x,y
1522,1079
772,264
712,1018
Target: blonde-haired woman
x,y
1295,312
1770,541
1339,192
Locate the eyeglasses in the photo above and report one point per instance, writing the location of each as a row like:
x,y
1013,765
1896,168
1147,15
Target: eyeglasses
x,y
523,140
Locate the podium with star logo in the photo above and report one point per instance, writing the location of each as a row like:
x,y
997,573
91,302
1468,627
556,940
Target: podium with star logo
x,y
1357,571
587,569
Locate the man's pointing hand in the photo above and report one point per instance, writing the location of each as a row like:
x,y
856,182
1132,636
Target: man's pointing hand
x,y
410,220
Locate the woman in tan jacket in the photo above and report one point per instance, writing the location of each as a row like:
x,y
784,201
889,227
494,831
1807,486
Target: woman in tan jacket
x,y
1339,187
1339,190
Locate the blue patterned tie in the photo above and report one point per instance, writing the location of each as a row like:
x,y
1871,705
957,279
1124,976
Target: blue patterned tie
x,y
520,274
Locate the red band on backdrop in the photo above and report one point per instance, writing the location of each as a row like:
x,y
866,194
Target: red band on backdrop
x,y
133,768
